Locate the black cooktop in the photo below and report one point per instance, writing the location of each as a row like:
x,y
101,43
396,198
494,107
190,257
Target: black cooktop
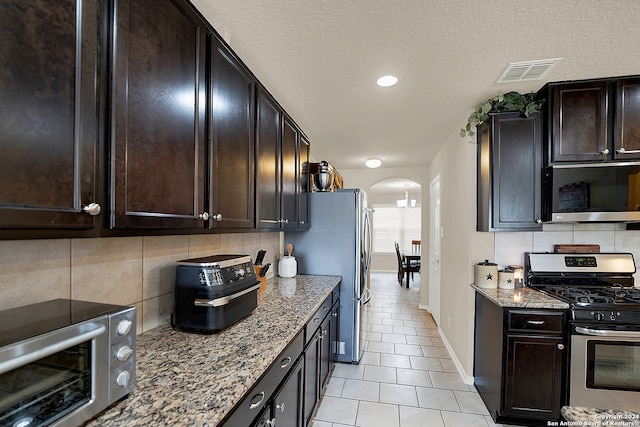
x,y
25,322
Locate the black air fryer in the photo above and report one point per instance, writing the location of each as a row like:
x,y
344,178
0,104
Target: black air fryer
x,y
214,292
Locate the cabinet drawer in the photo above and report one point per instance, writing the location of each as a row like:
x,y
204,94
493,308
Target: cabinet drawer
x,y
316,319
335,295
253,402
535,321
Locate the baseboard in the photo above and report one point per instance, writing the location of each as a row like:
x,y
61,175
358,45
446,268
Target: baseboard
x,y
468,380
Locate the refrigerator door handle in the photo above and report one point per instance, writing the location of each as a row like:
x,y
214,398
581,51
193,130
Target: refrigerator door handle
x,y
369,242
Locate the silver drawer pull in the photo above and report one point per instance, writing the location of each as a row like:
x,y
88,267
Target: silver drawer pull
x,y
259,402
285,362
535,322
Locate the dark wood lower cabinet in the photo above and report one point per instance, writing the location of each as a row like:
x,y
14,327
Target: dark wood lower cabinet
x,y
520,362
533,377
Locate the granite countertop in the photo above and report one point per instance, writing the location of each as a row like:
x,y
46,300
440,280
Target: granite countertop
x,y
599,417
521,298
194,379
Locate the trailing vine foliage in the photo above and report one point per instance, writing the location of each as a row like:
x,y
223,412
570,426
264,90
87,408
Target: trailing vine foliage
x,y
510,101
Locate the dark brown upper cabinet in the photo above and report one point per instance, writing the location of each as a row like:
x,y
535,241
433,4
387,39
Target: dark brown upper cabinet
x,y
626,139
510,152
593,120
231,134
268,135
304,183
158,156
289,161
49,104
579,126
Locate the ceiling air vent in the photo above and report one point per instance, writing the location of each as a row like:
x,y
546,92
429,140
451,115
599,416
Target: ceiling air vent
x,y
527,70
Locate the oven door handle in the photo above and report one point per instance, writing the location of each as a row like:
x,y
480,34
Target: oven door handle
x,y
217,302
607,333
8,362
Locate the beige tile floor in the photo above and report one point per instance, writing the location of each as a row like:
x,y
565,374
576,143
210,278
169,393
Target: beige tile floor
x,y
406,377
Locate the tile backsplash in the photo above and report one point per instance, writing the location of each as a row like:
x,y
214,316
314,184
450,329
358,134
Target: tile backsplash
x,y
510,247
138,271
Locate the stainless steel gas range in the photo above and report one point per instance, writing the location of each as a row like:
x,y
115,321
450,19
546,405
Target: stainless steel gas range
x,y
604,327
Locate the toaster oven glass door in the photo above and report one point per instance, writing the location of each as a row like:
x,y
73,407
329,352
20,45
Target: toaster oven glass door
x,y
47,380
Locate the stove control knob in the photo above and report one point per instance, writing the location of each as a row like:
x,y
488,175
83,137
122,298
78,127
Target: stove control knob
x,y
612,316
599,316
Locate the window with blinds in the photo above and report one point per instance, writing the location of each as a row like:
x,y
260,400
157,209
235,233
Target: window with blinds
x,y
393,224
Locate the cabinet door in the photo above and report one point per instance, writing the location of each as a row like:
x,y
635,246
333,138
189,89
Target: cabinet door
x,y
304,185
533,377
287,403
231,127
326,357
311,377
289,186
580,122
627,125
268,165
158,112
510,173
48,104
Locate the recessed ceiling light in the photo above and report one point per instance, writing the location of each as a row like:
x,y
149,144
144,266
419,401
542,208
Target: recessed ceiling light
x,y
386,81
373,163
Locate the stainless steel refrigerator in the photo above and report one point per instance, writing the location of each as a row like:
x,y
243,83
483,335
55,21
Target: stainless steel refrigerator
x,y
338,243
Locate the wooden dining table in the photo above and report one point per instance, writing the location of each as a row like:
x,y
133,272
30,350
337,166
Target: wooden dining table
x,y
410,256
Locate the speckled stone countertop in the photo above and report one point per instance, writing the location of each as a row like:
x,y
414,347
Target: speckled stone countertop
x,y
521,298
599,417
187,379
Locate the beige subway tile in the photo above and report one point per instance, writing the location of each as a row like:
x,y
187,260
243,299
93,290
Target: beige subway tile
x,y
156,311
159,257
107,270
202,245
33,271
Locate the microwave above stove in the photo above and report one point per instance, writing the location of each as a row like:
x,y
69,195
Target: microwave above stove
x,y
599,192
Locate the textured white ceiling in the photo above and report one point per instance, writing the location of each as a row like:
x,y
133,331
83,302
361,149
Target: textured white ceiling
x,y
321,58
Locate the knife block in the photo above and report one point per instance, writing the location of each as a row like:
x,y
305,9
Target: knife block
x,y
263,280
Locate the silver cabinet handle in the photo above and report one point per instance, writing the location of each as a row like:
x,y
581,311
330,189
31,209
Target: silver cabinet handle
x,y
92,209
623,151
560,346
535,322
254,405
605,151
538,221
285,362
280,406
204,216
217,217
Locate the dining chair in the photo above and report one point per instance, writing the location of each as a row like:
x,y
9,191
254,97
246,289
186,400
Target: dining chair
x,y
404,267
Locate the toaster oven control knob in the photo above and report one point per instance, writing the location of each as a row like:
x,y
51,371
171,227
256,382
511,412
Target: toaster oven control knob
x,y
124,353
123,379
124,327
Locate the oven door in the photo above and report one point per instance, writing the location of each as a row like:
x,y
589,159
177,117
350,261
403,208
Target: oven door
x,y
605,368
58,378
